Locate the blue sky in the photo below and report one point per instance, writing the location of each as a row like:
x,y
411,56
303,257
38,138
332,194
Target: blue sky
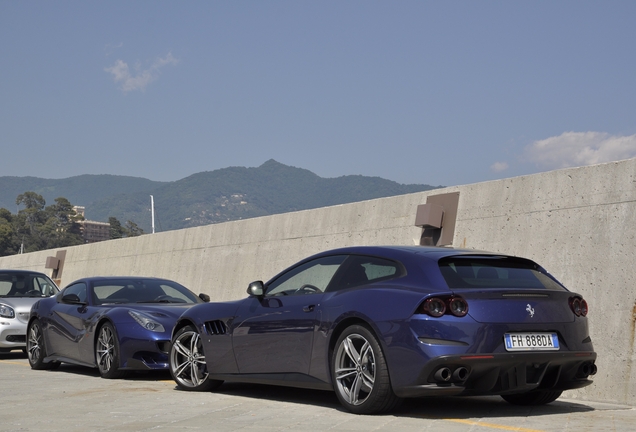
x,y
441,93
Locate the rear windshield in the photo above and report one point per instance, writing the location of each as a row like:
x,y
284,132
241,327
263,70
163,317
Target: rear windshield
x,y
495,272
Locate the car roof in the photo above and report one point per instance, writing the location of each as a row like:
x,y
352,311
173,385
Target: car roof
x,y
21,272
432,252
108,278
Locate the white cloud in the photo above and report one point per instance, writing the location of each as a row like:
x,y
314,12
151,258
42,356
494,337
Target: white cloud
x,y
499,166
580,148
138,79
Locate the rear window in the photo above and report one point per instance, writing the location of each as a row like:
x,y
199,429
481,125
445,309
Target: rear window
x,y
495,272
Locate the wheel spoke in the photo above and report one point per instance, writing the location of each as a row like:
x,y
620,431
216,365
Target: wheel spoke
x,y
343,373
354,391
180,368
351,351
181,349
367,379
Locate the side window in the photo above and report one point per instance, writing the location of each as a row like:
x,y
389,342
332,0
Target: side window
x,y
175,293
44,285
309,278
79,289
362,270
5,286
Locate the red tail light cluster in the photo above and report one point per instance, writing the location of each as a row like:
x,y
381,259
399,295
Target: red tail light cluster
x,y
438,306
578,306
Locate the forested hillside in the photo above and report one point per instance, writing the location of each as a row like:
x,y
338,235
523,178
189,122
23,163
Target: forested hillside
x,y
207,197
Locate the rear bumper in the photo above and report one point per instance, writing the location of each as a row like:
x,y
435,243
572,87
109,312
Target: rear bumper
x,y
502,373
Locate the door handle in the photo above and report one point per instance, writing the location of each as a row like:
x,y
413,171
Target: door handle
x,y
309,308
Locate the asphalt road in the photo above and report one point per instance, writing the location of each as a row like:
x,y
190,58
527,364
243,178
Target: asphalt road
x,y
74,398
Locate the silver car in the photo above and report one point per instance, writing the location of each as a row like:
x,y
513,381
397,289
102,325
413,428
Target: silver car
x,y
19,289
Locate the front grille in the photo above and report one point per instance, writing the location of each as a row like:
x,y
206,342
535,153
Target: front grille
x,y
216,327
16,338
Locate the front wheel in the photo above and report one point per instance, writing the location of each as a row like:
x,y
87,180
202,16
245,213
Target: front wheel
x,y
36,351
187,362
107,353
535,397
360,374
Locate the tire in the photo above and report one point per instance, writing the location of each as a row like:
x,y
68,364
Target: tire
x,y
535,397
107,352
36,351
187,362
359,373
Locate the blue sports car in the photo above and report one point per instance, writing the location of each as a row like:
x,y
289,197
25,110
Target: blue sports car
x,y
379,324
116,324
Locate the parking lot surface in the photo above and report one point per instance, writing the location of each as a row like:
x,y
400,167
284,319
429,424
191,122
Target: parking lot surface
x,y
74,398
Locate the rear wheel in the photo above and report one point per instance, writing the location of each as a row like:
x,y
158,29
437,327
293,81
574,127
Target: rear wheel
x,y
187,362
107,353
535,397
360,374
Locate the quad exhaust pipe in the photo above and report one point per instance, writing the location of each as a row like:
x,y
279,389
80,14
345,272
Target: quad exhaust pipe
x,y
445,374
586,370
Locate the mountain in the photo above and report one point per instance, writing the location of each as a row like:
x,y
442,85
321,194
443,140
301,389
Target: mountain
x,y
207,197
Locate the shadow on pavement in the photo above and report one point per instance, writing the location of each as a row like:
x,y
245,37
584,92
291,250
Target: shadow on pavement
x,y
425,408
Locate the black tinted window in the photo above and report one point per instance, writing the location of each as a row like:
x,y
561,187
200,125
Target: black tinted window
x,y
495,272
78,289
361,270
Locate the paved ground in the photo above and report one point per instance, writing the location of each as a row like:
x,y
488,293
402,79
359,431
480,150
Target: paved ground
x,y
77,399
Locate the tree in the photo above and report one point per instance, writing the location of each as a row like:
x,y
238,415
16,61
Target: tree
x,y
61,227
38,227
132,230
29,221
9,243
116,230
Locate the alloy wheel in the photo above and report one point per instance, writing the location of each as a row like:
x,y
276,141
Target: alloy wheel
x,y
355,369
105,349
187,360
34,343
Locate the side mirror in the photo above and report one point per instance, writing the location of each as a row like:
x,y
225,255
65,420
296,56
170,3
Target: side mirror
x,y
256,289
72,299
204,297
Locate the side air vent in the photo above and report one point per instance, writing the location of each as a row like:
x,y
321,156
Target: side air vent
x,y
217,327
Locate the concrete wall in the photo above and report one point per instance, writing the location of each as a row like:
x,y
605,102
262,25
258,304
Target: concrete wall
x,y
578,223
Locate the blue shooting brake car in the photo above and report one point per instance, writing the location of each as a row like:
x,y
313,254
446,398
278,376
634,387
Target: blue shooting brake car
x,y
379,324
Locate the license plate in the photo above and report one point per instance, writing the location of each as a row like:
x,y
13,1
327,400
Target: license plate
x,y
531,341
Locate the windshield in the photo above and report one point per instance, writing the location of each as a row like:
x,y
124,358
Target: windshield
x,y
14,284
495,272
142,291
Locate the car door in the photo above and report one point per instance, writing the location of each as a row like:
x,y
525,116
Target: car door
x,y
274,333
65,323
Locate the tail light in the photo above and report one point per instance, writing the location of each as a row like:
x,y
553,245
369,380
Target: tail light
x,y
450,305
578,306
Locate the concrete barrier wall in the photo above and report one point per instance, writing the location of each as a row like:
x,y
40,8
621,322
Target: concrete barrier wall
x,y
578,223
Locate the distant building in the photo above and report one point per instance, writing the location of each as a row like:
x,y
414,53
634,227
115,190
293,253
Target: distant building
x,y
92,231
